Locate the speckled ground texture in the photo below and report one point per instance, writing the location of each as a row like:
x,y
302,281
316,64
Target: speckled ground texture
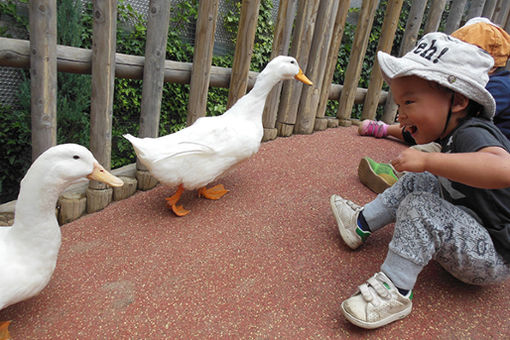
x,y
265,261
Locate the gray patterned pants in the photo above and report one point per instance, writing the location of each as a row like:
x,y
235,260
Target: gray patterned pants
x,y
429,227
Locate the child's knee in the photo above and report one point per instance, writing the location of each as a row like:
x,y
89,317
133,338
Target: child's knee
x,y
419,182
419,202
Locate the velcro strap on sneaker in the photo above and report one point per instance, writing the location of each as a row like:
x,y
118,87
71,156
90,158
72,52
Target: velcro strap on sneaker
x,y
379,287
365,292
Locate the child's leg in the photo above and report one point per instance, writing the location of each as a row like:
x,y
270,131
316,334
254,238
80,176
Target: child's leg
x,y
355,223
374,128
429,227
380,129
394,130
382,210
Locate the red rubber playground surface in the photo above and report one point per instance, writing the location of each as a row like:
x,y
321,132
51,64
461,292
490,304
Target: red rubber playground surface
x,y
265,261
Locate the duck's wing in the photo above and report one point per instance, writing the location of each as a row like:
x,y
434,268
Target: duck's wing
x,y
207,136
186,148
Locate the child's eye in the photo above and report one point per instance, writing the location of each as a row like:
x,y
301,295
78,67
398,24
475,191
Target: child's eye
x,y
407,102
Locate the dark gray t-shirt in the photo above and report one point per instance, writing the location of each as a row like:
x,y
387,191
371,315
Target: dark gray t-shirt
x,y
491,207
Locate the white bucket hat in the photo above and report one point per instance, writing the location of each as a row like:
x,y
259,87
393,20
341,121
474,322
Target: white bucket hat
x,y
448,61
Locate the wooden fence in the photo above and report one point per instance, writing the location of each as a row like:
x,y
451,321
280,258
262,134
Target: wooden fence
x,y
313,29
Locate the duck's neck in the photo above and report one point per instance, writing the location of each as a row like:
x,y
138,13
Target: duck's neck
x,y
35,218
264,84
252,104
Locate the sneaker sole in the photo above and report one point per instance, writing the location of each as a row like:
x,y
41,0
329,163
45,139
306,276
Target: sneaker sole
x,y
346,236
370,178
376,324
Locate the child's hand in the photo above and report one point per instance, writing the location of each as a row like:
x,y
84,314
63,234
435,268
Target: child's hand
x,y
410,160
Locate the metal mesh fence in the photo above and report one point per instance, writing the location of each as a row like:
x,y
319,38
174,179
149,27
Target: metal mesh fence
x,y
10,77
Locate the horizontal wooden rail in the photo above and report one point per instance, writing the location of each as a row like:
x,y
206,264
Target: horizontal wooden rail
x,y
16,53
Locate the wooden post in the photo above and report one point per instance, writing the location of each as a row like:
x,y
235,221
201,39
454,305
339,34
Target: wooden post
x,y
202,59
300,49
43,74
507,28
501,13
413,24
434,19
385,43
281,42
244,50
332,59
153,74
359,47
455,15
505,23
125,191
154,67
305,120
475,9
103,76
71,207
488,8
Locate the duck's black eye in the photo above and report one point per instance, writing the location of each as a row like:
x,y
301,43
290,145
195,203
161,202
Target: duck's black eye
x,y
292,62
76,157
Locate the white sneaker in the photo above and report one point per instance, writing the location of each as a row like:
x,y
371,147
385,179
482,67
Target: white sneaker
x,y
346,215
377,303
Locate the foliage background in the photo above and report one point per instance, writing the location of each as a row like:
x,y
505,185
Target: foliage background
x,y
73,106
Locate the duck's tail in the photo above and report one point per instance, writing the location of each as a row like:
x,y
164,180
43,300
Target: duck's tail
x,y
130,137
136,142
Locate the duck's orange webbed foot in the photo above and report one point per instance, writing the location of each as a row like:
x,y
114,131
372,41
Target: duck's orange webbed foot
x,y
214,193
4,331
179,210
171,203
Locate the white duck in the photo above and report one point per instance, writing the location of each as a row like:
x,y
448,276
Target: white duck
x,y
29,248
195,156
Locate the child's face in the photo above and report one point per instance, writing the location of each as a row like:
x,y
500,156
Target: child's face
x,y
423,107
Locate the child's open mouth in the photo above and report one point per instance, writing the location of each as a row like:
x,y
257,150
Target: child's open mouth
x,y
412,129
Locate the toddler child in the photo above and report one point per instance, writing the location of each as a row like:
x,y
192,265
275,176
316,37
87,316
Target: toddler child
x,y
452,206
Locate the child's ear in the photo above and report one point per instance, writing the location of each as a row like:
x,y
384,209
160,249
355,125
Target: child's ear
x,y
460,102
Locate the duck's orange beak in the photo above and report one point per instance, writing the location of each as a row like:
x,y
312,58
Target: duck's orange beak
x,y
101,175
302,78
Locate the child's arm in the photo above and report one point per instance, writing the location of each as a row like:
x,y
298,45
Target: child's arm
x,y
488,168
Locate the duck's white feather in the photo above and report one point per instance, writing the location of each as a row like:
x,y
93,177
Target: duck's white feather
x,y
198,154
